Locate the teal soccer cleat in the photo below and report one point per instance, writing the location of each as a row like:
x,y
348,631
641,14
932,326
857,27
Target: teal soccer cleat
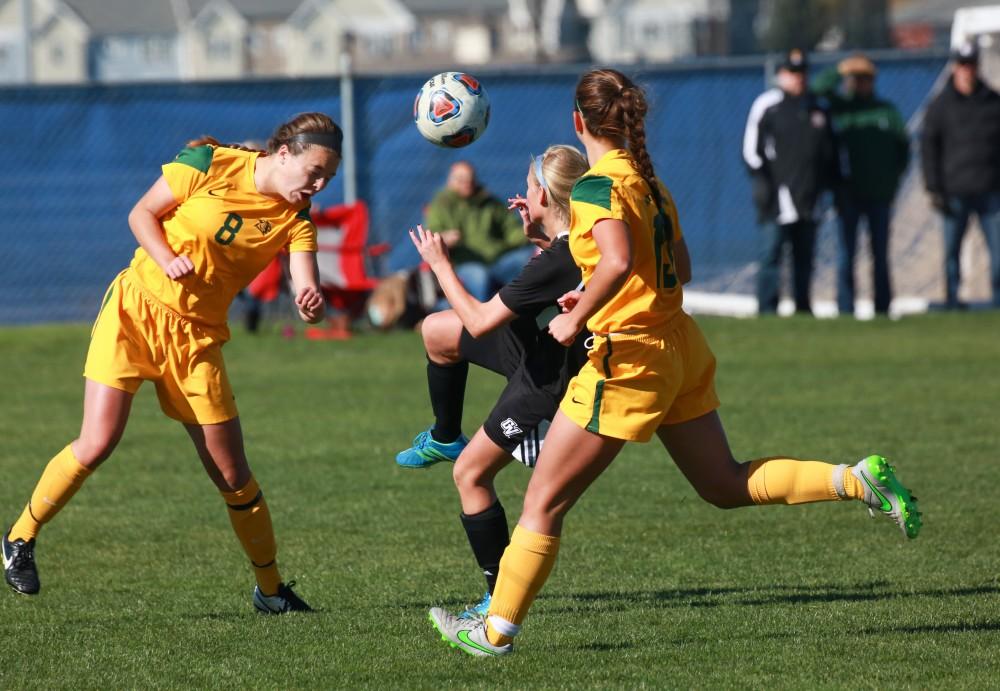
x,y
478,611
426,451
884,493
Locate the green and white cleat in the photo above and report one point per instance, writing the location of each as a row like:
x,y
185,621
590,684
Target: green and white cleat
x,y
885,493
468,635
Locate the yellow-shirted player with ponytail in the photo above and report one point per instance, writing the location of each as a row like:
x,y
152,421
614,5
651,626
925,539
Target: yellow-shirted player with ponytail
x,y
206,228
649,371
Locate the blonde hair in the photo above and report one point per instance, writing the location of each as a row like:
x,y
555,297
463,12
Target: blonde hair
x,y
562,166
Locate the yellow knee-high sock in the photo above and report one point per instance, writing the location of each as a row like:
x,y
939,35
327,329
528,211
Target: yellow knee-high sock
x,y
524,568
791,481
60,480
251,521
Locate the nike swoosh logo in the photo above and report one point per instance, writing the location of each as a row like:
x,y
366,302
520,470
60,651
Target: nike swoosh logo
x,y
573,398
6,560
886,506
463,636
216,193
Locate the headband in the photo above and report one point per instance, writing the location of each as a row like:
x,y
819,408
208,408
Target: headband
x,y
330,140
536,162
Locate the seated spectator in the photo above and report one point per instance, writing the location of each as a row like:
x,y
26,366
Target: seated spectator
x,y
485,240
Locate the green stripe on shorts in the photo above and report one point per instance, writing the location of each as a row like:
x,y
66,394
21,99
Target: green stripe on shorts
x,y
595,419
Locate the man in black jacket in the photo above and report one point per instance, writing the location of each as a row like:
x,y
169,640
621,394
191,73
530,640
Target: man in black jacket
x,y
789,147
960,152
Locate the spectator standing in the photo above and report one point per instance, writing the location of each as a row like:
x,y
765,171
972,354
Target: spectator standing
x,y
874,152
485,240
789,147
960,154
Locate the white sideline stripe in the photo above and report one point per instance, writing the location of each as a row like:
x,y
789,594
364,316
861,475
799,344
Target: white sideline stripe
x,y
744,306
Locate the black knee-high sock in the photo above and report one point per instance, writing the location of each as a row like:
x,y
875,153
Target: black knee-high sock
x,y
446,385
488,537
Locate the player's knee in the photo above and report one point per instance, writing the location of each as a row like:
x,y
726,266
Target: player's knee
x,y
719,497
467,476
545,511
440,339
233,479
92,449
728,493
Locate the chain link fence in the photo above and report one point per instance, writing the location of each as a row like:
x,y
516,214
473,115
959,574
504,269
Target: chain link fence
x,y
79,158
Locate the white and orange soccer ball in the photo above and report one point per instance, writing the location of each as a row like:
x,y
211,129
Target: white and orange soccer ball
x,y
452,109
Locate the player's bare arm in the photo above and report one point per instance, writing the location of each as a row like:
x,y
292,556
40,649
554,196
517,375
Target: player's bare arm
x,y
477,317
305,279
615,245
144,220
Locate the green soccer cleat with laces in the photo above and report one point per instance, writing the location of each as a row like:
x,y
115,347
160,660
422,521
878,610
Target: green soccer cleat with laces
x,y
885,493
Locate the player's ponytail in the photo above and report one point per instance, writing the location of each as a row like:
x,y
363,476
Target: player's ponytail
x,y
304,130
562,166
614,107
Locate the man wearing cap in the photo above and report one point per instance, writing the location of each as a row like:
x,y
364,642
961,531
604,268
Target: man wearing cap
x,y
789,148
960,153
874,152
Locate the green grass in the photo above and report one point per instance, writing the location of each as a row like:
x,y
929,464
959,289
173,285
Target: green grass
x,y
144,584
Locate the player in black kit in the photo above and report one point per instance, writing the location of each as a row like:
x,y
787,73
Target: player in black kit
x,y
507,335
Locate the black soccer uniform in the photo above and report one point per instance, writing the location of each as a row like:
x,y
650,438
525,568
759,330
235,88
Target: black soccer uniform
x,y
536,366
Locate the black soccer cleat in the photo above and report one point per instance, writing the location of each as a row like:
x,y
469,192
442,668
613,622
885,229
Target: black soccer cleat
x,y
285,601
19,565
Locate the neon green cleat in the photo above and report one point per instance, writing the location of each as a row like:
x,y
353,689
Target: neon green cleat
x,y
884,493
468,635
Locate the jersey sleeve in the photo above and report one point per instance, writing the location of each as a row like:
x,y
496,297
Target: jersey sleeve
x,y
541,282
302,237
188,171
595,198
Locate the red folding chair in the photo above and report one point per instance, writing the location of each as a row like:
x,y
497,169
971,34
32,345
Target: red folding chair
x,y
345,260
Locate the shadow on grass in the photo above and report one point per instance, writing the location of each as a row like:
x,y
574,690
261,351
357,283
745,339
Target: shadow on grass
x,y
957,627
760,595
777,594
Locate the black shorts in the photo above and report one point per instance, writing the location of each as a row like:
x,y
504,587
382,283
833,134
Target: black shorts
x,y
523,407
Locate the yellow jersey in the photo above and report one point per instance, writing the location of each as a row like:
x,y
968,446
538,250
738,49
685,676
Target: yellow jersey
x,y
652,293
229,230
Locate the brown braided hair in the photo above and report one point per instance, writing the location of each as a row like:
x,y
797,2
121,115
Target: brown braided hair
x,y
614,107
304,123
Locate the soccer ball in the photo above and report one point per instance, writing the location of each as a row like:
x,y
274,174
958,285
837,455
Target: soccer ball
x,y
452,109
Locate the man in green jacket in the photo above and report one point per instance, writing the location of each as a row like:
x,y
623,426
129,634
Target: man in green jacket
x,y
485,240
875,150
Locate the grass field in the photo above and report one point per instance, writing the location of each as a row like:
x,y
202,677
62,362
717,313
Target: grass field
x,y
144,585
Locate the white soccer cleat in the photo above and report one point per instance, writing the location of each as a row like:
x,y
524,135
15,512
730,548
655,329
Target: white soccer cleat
x,y
468,635
284,601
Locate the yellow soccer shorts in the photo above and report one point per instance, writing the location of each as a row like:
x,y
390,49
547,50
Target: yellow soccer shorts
x,y
136,338
633,383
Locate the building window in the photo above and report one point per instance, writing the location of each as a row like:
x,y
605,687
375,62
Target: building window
x,y
317,48
219,49
57,55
